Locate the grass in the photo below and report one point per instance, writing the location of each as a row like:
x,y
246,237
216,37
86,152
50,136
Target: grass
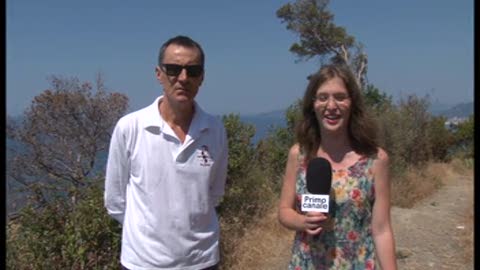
x,y
266,245
416,184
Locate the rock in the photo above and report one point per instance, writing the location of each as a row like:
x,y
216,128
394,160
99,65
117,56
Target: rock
x,y
403,253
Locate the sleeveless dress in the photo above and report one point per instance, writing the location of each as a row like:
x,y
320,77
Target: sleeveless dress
x,y
349,244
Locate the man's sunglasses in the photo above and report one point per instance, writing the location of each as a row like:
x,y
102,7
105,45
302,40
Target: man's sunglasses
x,y
175,70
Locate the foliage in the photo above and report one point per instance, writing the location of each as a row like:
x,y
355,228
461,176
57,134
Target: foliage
x,y
273,150
463,138
403,133
63,235
375,99
411,135
440,138
246,186
247,193
240,147
63,131
313,22
319,36
241,161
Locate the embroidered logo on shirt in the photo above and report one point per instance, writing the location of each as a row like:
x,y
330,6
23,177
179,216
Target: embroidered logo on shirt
x,y
204,157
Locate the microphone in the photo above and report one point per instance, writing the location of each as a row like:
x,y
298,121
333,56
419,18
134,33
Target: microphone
x,y
319,182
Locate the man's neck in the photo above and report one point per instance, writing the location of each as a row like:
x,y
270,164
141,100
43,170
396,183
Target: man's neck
x,y
178,118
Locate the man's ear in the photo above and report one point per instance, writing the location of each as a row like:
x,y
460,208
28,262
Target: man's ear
x,y
202,78
158,72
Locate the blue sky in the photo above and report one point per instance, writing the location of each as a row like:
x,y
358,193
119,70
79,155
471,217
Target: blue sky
x,y
414,46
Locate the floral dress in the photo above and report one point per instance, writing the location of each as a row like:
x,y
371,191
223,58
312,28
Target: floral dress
x,y
349,244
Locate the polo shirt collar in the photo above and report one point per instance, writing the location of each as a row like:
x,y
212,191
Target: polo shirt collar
x,y
199,122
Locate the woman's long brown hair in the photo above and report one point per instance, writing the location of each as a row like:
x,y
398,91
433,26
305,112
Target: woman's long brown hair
x,y
362,130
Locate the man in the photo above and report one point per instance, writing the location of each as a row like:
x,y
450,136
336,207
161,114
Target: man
x,y
166,171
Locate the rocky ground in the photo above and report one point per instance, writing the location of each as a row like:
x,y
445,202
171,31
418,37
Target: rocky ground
x,y
430,235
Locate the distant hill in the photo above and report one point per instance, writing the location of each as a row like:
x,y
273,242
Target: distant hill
x,y
460,110
263,122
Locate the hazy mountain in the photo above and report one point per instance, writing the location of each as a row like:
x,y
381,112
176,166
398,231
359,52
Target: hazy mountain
x,y
460,110
263,122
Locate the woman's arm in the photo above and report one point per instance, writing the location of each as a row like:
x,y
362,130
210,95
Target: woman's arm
x,y
381,225
287,214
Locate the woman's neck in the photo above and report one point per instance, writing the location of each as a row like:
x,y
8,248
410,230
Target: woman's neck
x,y
335,146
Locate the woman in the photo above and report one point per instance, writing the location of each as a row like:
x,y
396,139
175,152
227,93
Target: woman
x,y
358,233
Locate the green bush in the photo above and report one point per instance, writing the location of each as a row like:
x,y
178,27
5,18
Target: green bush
x,y
463,139
248,192
404,133
241,151
374,98
273,149
440,138
63,235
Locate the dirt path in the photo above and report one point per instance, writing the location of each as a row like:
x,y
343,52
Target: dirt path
x,y
428,236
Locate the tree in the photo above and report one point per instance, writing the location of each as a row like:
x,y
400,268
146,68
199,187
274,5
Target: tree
x,y
319,36
376,99
273,150
240,148
463,136
405,133
248,193
63,132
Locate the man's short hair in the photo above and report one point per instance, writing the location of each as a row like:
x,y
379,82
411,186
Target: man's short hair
x,y
181,41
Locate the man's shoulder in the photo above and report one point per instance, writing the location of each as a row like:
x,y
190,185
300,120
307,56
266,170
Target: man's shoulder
x,y
211,120
132,116
135,118
214,120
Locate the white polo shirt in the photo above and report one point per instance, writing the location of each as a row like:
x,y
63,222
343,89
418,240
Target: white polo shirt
x,y
164,192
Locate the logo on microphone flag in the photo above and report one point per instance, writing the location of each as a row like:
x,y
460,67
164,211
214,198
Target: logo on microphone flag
x,y
315,203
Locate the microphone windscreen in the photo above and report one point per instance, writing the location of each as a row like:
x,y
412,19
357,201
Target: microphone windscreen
x,y
319,176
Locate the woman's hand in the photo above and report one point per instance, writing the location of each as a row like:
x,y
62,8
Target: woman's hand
x,y
313,222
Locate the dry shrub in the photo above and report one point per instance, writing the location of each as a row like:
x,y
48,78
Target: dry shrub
x,y
462,166
244,204
265,246
404,133
417,183
438,172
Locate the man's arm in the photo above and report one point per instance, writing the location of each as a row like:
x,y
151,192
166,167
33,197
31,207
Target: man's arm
x,y
117,175
217,189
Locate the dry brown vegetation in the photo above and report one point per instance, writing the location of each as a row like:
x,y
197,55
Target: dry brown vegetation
x,y
264,245
417,184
